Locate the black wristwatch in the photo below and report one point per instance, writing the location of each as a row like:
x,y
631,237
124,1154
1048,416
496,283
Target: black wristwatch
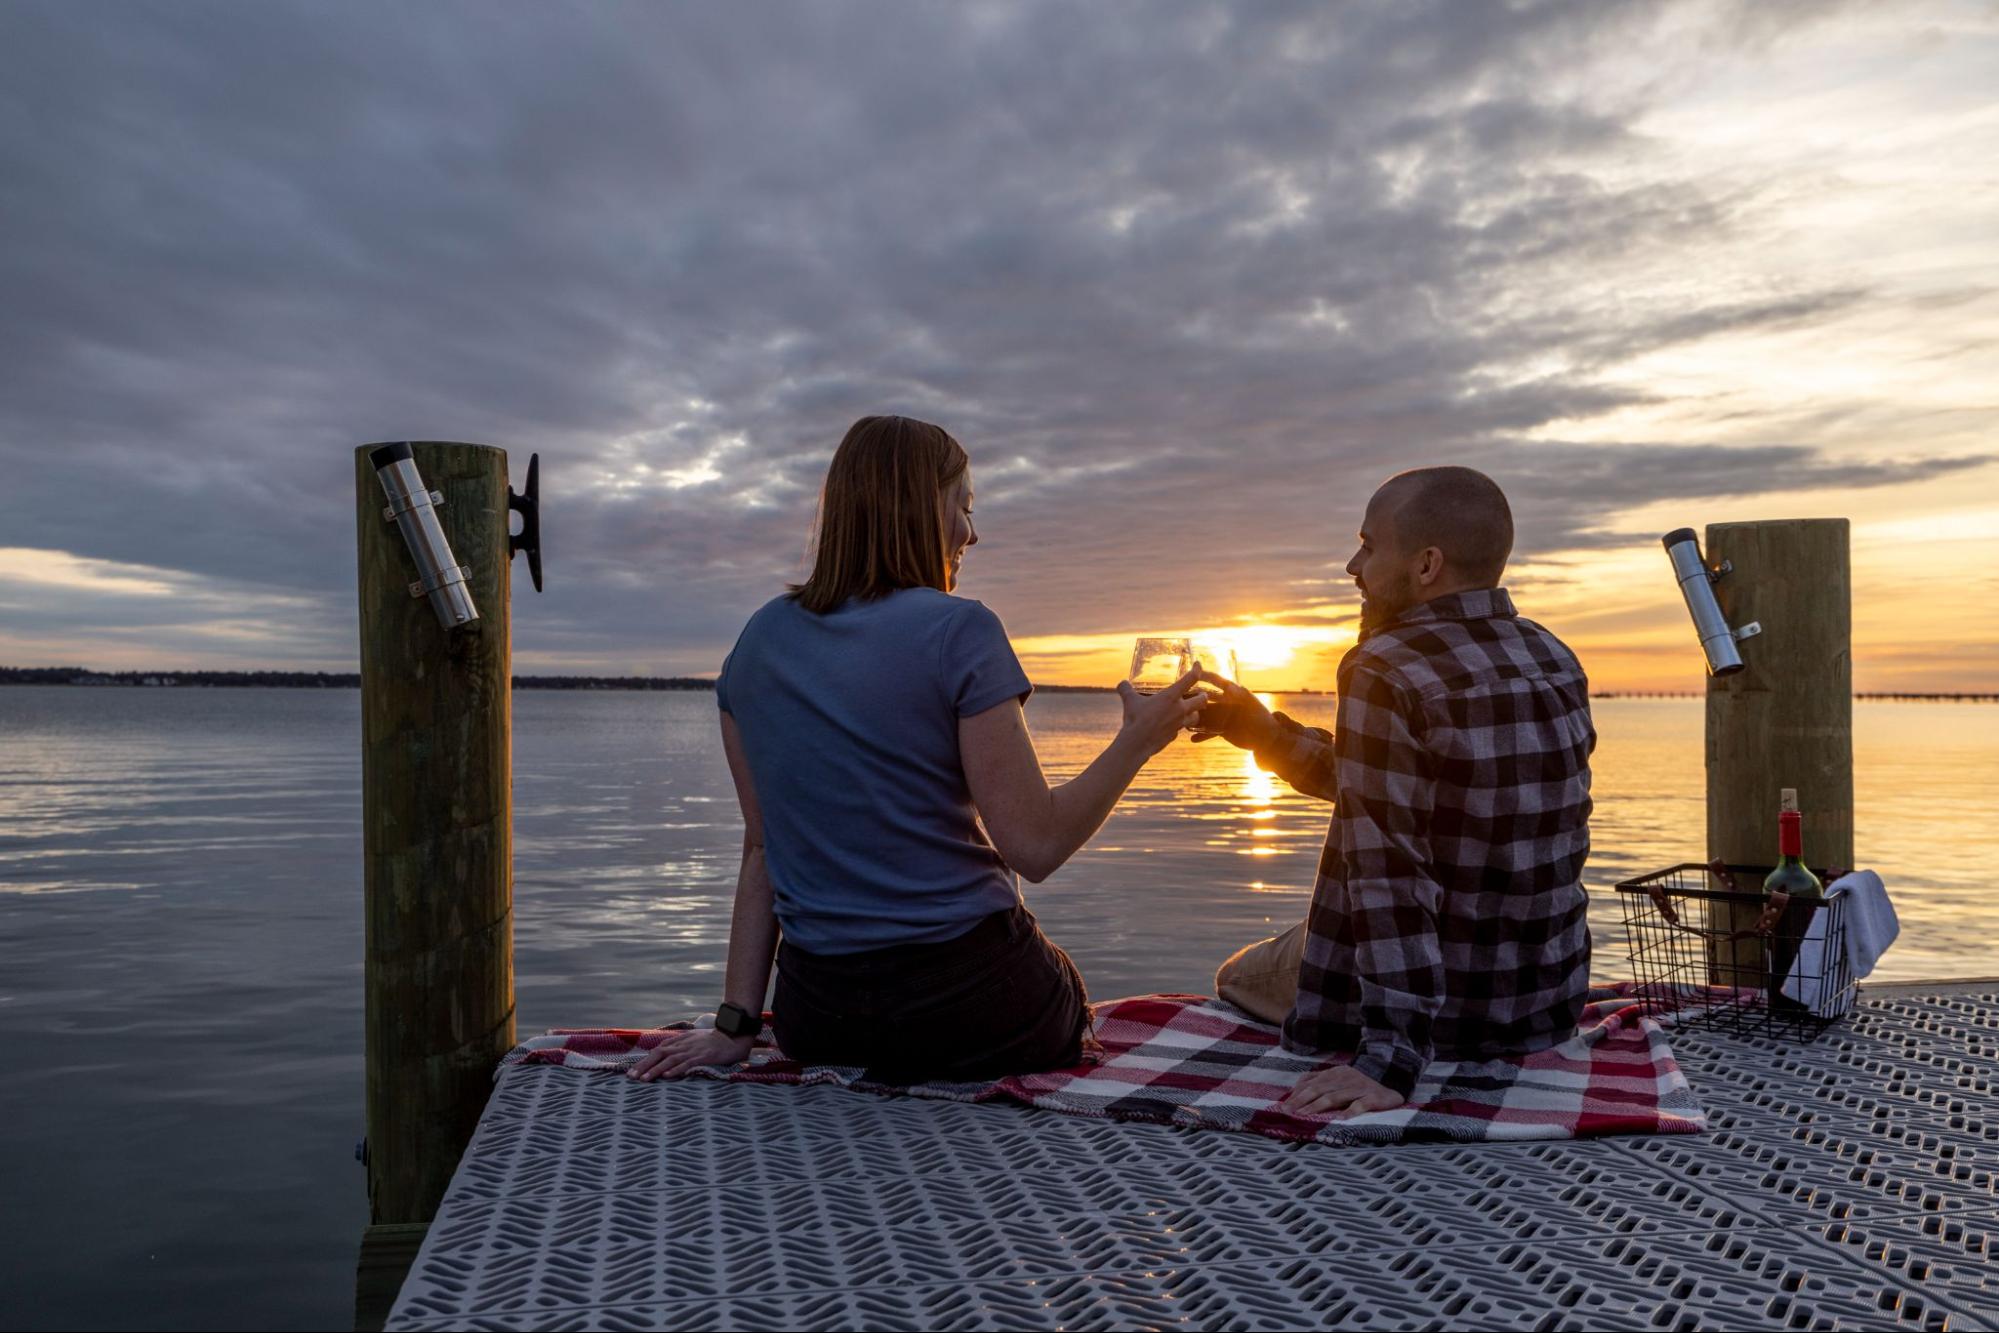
x,y
732,1020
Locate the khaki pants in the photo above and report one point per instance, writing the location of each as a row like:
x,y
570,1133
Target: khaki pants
x,y
1263,979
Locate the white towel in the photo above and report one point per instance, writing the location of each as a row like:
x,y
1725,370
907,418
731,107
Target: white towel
x,y
1869,924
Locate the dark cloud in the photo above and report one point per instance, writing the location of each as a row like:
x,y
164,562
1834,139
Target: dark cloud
x,y
1188,281
1557,489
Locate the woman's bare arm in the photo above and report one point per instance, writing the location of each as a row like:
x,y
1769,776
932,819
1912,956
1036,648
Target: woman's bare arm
x,y
1037,827
753,924
752,940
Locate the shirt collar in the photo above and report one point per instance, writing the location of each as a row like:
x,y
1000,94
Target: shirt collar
x,y
1472,604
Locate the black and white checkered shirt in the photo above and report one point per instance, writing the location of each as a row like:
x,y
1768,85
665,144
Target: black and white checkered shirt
x,y
1448,919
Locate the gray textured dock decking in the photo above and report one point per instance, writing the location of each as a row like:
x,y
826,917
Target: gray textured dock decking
x,y
1849,1183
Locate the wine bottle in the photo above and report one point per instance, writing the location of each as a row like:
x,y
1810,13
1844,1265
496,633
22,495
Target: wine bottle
x,y
1792,876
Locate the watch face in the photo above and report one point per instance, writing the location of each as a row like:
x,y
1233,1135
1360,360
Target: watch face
x,y
735,1021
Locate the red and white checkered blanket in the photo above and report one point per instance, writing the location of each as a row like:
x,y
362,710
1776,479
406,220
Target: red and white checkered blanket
x,y
1198,1062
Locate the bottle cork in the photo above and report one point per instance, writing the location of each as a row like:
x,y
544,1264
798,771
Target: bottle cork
x,y
1788,800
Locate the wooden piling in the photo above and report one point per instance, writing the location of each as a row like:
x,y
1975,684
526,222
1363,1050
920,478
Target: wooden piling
x,y
387,1253
437,812
1785,719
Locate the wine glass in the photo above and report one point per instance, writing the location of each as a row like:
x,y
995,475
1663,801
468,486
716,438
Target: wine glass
x,y
1157,663
1215,655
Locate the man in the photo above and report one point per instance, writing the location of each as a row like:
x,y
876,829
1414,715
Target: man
x,y
1448,920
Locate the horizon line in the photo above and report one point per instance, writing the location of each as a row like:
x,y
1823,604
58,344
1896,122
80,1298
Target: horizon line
x,y
286,679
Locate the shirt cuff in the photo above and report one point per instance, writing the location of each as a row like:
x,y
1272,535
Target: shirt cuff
x,y
1392,1065
1286,749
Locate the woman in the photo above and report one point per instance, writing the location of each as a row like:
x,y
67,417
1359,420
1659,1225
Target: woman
x,y
890,793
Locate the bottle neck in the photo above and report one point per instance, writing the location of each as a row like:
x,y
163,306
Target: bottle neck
x,y
1791,835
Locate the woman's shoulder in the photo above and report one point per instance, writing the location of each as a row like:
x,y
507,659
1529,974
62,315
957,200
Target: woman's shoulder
x,y
763,622
781,607
939,602
950,614
917,604
907,605
926,612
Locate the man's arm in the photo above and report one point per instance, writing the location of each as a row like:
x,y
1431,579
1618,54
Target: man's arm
x,y
1301,755
1387,795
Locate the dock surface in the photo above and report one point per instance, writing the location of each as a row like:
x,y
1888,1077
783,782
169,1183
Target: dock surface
x,y
1852,1182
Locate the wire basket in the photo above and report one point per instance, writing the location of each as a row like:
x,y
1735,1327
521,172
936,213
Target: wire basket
x,y
1737,962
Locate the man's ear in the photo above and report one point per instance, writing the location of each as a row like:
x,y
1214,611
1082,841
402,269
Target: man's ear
x,y
1430,566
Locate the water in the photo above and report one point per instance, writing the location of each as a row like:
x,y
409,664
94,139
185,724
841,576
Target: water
x,y
180,936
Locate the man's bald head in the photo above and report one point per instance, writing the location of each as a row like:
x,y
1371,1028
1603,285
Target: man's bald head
x,y
1460,511
1427,534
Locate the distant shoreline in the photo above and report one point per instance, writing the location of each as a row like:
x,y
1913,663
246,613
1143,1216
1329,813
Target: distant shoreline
x,y
349,680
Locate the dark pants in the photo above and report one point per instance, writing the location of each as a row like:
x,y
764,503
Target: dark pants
x,y
1000,999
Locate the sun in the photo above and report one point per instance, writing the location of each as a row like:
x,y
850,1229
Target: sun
x,y
1264,647
1282,657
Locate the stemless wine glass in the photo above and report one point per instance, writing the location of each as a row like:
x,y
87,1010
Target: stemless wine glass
x,y
1213,655
1157,663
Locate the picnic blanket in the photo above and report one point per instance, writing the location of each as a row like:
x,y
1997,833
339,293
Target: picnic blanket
x,y
1199,1062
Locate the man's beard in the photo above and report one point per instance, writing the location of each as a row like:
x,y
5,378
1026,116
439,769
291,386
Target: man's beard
x,y
1379,605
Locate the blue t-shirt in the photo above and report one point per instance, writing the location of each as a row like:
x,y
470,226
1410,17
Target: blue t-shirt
x,y
849,721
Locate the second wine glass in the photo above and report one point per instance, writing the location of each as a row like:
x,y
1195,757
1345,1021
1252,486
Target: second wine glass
x,y
1157,663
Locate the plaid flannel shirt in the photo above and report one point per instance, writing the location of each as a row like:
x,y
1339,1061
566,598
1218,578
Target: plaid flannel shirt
x,y
1448,920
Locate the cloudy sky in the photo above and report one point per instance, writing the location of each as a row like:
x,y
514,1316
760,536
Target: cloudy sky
x,y
1187,280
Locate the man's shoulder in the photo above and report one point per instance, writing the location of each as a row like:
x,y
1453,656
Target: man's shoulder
x,y
1541,636
1411,655
1432,657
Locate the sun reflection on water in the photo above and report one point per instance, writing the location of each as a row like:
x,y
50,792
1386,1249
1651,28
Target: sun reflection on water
x,y
1259,788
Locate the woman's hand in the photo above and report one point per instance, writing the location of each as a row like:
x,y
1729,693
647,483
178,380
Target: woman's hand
x,y
681,1052
1152,721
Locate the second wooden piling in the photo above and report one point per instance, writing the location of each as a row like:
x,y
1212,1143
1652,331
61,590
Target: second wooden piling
x,y
1785,719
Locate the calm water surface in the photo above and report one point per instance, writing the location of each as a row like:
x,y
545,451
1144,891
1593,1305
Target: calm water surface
x,y
180,936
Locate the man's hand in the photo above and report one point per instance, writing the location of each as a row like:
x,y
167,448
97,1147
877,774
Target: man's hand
x,y
1236,715
681,1053
1341,1092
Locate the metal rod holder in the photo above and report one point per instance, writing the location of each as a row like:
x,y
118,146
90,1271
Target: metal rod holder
x,y
1697,580
412,507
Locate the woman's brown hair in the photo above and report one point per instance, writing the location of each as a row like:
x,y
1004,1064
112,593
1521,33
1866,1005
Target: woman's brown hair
x,y
880,521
